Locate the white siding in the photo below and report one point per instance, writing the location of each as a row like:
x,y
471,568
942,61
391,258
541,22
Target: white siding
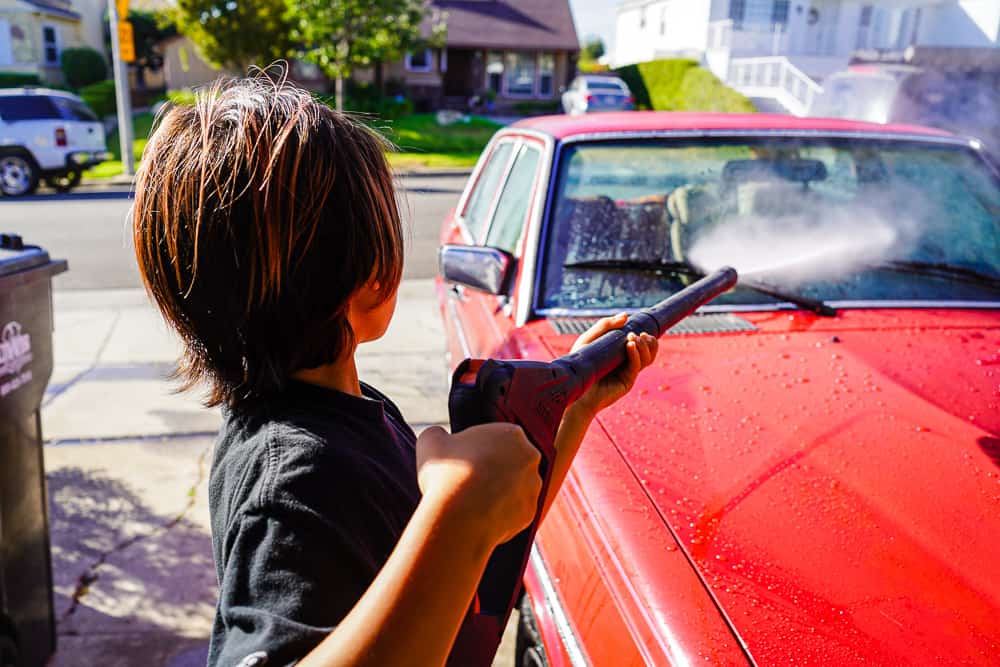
x,y
968,23
660,29
6,51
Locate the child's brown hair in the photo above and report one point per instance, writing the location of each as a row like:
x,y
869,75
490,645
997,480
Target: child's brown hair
x,y
258,212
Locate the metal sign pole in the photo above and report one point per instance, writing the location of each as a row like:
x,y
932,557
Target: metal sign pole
x,y
122,96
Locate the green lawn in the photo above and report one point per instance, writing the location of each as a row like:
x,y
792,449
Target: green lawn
x,y
420,141
142,123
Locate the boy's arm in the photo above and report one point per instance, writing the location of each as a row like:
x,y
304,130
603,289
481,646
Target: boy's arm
x,y
480,489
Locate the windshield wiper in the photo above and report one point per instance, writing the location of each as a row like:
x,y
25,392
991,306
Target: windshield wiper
x,y
639,265
941,270
683,268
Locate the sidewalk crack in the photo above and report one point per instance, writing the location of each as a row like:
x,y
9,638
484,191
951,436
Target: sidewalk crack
x,y
91,574
66,386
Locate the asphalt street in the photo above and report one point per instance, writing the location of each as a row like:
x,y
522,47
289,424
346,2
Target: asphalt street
x,y
89,228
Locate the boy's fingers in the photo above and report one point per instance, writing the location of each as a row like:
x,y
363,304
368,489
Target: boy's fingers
x,y
599,328
649,346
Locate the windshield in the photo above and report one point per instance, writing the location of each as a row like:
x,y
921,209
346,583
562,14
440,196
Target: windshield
x,y
829,218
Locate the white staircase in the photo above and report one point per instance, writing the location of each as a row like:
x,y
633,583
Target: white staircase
x,y
774,79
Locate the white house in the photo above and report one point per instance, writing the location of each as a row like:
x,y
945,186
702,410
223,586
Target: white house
x,y
780,50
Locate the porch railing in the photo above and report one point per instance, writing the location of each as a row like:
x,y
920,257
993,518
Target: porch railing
x,y
774,77
749,39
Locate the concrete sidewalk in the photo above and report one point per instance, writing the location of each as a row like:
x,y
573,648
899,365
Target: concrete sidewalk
x,y
127,462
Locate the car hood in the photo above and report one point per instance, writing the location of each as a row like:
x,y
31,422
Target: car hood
x,y
836,485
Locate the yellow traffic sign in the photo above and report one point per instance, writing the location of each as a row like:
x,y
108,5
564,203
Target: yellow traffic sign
x,y
126,42
122,6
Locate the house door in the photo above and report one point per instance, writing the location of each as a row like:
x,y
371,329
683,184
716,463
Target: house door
x,y
460,79
820,33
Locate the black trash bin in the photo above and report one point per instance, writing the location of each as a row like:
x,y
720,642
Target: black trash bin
x,y
27,623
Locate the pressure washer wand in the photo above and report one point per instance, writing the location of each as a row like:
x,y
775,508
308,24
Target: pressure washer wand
x,y
535,395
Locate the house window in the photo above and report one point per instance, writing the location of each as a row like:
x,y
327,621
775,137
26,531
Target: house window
x,y
779,12
419,61
546,74
50,44
520,74
494,71
737,12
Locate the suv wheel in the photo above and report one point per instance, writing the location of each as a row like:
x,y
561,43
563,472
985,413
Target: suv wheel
x,y
64,182
18,175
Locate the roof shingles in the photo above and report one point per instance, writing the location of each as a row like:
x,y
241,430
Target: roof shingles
x,y
510,24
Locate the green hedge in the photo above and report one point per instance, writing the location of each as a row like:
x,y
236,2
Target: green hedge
x,y
100,97
83,67
17,79
680,85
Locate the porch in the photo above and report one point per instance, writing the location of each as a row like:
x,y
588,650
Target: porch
x,y
785,55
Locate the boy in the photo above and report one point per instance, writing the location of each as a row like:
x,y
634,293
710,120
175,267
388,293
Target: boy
x,y
267,232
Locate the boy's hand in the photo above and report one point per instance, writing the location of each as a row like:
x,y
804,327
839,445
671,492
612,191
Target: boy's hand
x,y
639,353
488,474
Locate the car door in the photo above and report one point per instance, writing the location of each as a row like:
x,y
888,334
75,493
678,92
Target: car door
x,y
506,232
478,323
469,227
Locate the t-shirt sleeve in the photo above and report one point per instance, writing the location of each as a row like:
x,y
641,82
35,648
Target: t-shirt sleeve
x,y
290,578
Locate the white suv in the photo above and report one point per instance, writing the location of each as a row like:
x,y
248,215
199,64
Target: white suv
x,y
46,134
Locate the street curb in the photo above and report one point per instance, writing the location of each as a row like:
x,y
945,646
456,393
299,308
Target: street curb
x,y
118,182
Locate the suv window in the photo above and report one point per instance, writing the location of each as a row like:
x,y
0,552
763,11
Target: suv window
x,y
28,107
478,206
71,109
512,209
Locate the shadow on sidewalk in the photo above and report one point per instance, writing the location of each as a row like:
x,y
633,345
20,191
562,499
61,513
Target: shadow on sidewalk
x,y
133,586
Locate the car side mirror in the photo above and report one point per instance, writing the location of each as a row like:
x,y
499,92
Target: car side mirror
x,y
479,267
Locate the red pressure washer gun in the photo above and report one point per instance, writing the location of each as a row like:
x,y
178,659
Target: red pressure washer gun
x,y
535,395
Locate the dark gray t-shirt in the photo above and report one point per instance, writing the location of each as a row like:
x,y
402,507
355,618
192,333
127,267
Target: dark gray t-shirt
x,y
309,493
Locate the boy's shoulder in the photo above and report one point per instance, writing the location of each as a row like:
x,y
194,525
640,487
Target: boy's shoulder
x,y
305,444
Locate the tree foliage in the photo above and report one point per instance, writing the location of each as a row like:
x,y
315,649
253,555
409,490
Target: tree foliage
x,y
593,48
149,29
342,36
238,33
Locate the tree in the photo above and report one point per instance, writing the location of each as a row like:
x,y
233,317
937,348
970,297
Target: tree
x,y
237,33
593,48
342,36
148,30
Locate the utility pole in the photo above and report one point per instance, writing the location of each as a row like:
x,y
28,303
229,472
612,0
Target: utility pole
x,y
122,28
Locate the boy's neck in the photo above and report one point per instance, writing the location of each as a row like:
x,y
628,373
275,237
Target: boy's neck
x,y
341,375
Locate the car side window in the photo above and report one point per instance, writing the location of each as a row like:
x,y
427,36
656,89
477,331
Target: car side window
x,y
512,209
480,199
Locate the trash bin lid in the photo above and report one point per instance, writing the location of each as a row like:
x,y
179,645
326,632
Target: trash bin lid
x,y
15,261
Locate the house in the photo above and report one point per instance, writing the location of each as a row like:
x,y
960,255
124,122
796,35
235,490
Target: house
x,y
779,51
520,50
33,34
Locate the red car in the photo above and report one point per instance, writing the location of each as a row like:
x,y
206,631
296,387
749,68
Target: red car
x,y
810,471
